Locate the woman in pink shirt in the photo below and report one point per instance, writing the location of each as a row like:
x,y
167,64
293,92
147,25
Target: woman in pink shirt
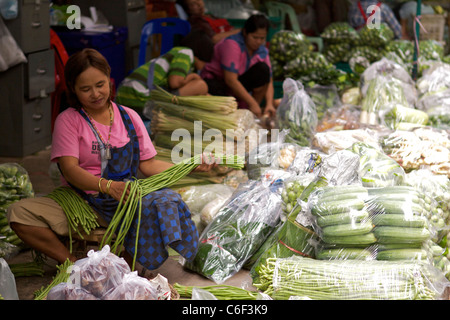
x,y
98,145
241,67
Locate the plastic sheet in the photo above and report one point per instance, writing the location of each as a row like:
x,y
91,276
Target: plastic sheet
x,y
10,52
238,230
297,112
352,280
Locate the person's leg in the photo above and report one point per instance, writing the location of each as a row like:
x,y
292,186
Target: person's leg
x,y
43,240
39,222
256,80
194,88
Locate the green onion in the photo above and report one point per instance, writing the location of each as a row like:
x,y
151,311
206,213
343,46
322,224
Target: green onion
x,y
216,104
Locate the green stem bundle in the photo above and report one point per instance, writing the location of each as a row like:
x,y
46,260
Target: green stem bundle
x,y
27,269
62,275
221,292
345,280
78,212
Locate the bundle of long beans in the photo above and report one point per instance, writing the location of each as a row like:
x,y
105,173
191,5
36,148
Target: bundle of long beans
x,y
216,104
220,291
27,269
78,212
62,275
138,188
346,279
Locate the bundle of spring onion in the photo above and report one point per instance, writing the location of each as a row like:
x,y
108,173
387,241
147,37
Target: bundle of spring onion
x,y
220,291
78,212
349,280
216,104
121,222
62,275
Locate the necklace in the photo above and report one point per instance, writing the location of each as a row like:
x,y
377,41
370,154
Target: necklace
x,y
106,144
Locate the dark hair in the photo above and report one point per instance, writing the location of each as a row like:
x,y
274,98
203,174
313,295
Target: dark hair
x,y
200,43
255,22
78,63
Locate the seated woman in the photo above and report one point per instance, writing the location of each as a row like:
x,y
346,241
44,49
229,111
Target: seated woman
x,y
98,145
175,71
241,67
216,28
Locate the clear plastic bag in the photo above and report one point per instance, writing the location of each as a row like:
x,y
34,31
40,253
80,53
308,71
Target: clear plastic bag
x,y
238,230
8,289
297,112
10,53
99,272
285,45
15,183
134,287
324,98
376,168
69,291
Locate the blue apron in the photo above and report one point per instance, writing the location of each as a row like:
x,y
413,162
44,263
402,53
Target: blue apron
x,y
165,218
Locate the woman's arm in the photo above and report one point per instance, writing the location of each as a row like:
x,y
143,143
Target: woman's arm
x,y
232,81
222,35
269,110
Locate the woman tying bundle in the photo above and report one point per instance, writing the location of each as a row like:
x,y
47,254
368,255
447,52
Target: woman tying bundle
x,y
98,146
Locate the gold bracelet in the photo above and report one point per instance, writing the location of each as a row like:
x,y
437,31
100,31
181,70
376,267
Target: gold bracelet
x,y
100,184
108,185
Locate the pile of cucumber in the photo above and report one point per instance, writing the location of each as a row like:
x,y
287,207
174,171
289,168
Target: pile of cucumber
x,y
389,223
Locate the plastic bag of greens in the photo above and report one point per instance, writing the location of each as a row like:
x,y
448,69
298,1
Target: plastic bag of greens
x,y
297,112
400,117
376,37
376,168
307,63
435,79
238,230
15,183
324,98
404,49
439,117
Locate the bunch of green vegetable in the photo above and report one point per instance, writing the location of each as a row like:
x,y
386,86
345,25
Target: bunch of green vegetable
x,y
340,32
337,52
376,37
62,275
306,63
400,117
361,56
221,292
286,45
324,98
349,280
431,50
402,48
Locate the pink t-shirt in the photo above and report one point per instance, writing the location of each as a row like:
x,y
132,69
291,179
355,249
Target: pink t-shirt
x,y
231,54
72,136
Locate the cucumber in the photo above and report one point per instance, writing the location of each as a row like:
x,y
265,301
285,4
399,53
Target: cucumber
x,y
399,220
342,218
402,254
344,254
387,234
391,246
340,190
334,207
350,229
364,239
395,207
394,189
405,197
343,196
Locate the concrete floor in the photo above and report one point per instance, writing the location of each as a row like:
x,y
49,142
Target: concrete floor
x,y
38,168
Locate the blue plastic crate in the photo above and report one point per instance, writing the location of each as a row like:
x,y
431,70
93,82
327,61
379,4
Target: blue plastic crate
x,y
110,44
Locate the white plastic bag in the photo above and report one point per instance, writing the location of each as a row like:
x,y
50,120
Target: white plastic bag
x,y
10,53
8,290
100,271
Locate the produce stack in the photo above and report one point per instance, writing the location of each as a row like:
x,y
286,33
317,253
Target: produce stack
x,y
15,184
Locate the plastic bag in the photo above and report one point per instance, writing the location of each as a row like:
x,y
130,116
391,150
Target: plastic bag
x,y
340,32
15,183
100,271
345,117
376,168
69,291
331,141
352,280
297,112
196,197
134,287
9,9
324,98
238,230
8,290
10,53
286,45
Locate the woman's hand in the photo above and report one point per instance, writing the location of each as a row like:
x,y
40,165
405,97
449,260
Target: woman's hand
x,y
208,163
116,190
